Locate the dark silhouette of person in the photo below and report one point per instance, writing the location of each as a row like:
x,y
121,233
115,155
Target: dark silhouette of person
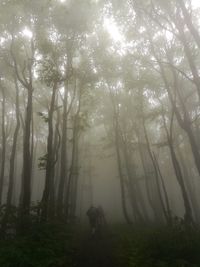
x,y
93,215
101,216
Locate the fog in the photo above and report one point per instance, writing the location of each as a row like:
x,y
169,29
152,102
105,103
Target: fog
x,y
99,107
99,112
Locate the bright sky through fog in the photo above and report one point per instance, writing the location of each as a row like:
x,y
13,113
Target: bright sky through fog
x,y
196,3
26,32
112,29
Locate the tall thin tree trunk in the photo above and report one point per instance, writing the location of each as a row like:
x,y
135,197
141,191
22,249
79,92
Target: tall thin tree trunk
x,y
75,181
178,172
156,175
184,123
132,188
3,153
119,160
72,167
50,159
14,147
12,162
57,144
63,167
26,82
26,174
189,186
168,210
122,185
147,187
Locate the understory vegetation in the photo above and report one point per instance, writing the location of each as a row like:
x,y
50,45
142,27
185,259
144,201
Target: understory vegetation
x,y
159,246
58,244
45,245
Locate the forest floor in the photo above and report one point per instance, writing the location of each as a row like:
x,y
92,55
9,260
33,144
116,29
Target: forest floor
x,y
139,246
97,250
61,245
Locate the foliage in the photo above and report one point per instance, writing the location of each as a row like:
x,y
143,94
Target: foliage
x,y
43,116
42,161
48,72
159,246
45,245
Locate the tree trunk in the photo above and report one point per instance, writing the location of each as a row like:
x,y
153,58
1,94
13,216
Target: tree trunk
x,y
147,187
3,153
189,185
12,163
156,175
75,181
119,160
14,147
26,178
132,188
168,210
178,172
63,167
50,160
122,185
72,172
184,122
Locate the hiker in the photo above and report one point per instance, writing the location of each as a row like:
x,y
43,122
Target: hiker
x,y
93,214
101,216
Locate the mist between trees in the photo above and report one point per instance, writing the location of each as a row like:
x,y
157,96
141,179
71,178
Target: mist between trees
x,y
100,104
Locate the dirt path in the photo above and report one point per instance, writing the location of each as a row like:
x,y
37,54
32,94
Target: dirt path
x,y
96,251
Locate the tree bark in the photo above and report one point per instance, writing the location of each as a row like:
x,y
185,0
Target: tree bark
x,y
168,210
50,159
3,153
156,175
14,147
27,162
63,167
119,160
132,188
178,172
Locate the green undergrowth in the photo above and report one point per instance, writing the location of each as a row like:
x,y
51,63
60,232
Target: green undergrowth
x,y
59,245
46,245
157,246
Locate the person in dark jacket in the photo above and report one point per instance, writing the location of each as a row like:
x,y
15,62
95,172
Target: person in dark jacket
x,y
93,215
